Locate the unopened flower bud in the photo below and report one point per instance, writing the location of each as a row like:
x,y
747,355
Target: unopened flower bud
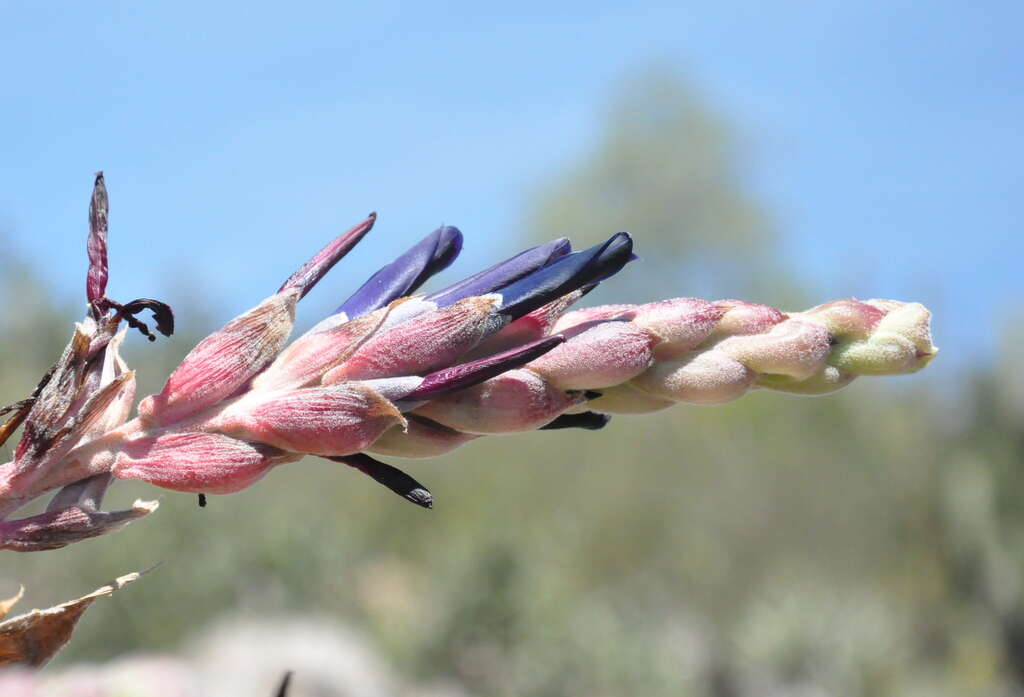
x,y
742,317
680,325
337,420
796,348
519,400
208,463
603,355
900,343
846,319
704,377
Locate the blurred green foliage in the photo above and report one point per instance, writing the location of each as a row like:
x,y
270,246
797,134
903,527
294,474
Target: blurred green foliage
x,y
864,543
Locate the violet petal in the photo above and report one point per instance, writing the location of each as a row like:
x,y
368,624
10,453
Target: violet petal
x,y
566,275
503,273
404,275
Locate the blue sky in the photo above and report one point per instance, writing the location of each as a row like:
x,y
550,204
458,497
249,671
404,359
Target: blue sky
x,y
883,137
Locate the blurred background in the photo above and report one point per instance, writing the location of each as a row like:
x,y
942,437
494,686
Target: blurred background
x,y
866,543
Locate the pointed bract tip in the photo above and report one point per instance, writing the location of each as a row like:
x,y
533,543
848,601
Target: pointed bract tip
x,y
312,271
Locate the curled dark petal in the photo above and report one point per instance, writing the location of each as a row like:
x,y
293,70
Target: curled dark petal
x,y
588,420
391,477
313,270
465,375
162,314
566,275
96,278
503,273
404,275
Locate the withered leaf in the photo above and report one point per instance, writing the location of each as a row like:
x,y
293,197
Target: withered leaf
x,y
34,638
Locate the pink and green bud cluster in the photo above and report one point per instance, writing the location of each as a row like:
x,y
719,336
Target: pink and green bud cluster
x,y
632,359
407,375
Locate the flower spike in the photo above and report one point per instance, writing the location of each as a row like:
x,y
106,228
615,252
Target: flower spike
x,y
391,374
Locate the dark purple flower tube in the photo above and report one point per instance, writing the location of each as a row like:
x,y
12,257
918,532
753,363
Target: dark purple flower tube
x,y
503,273
404,275
566,275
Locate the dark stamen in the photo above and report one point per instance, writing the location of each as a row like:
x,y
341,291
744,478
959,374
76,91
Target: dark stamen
x,y
588,420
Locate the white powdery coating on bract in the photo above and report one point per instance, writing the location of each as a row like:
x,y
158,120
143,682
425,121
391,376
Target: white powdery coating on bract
x,y
194,462
519,400
705,377
224,361
680,325
745,318
337,420
428,342
796,348
603,355
846,319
